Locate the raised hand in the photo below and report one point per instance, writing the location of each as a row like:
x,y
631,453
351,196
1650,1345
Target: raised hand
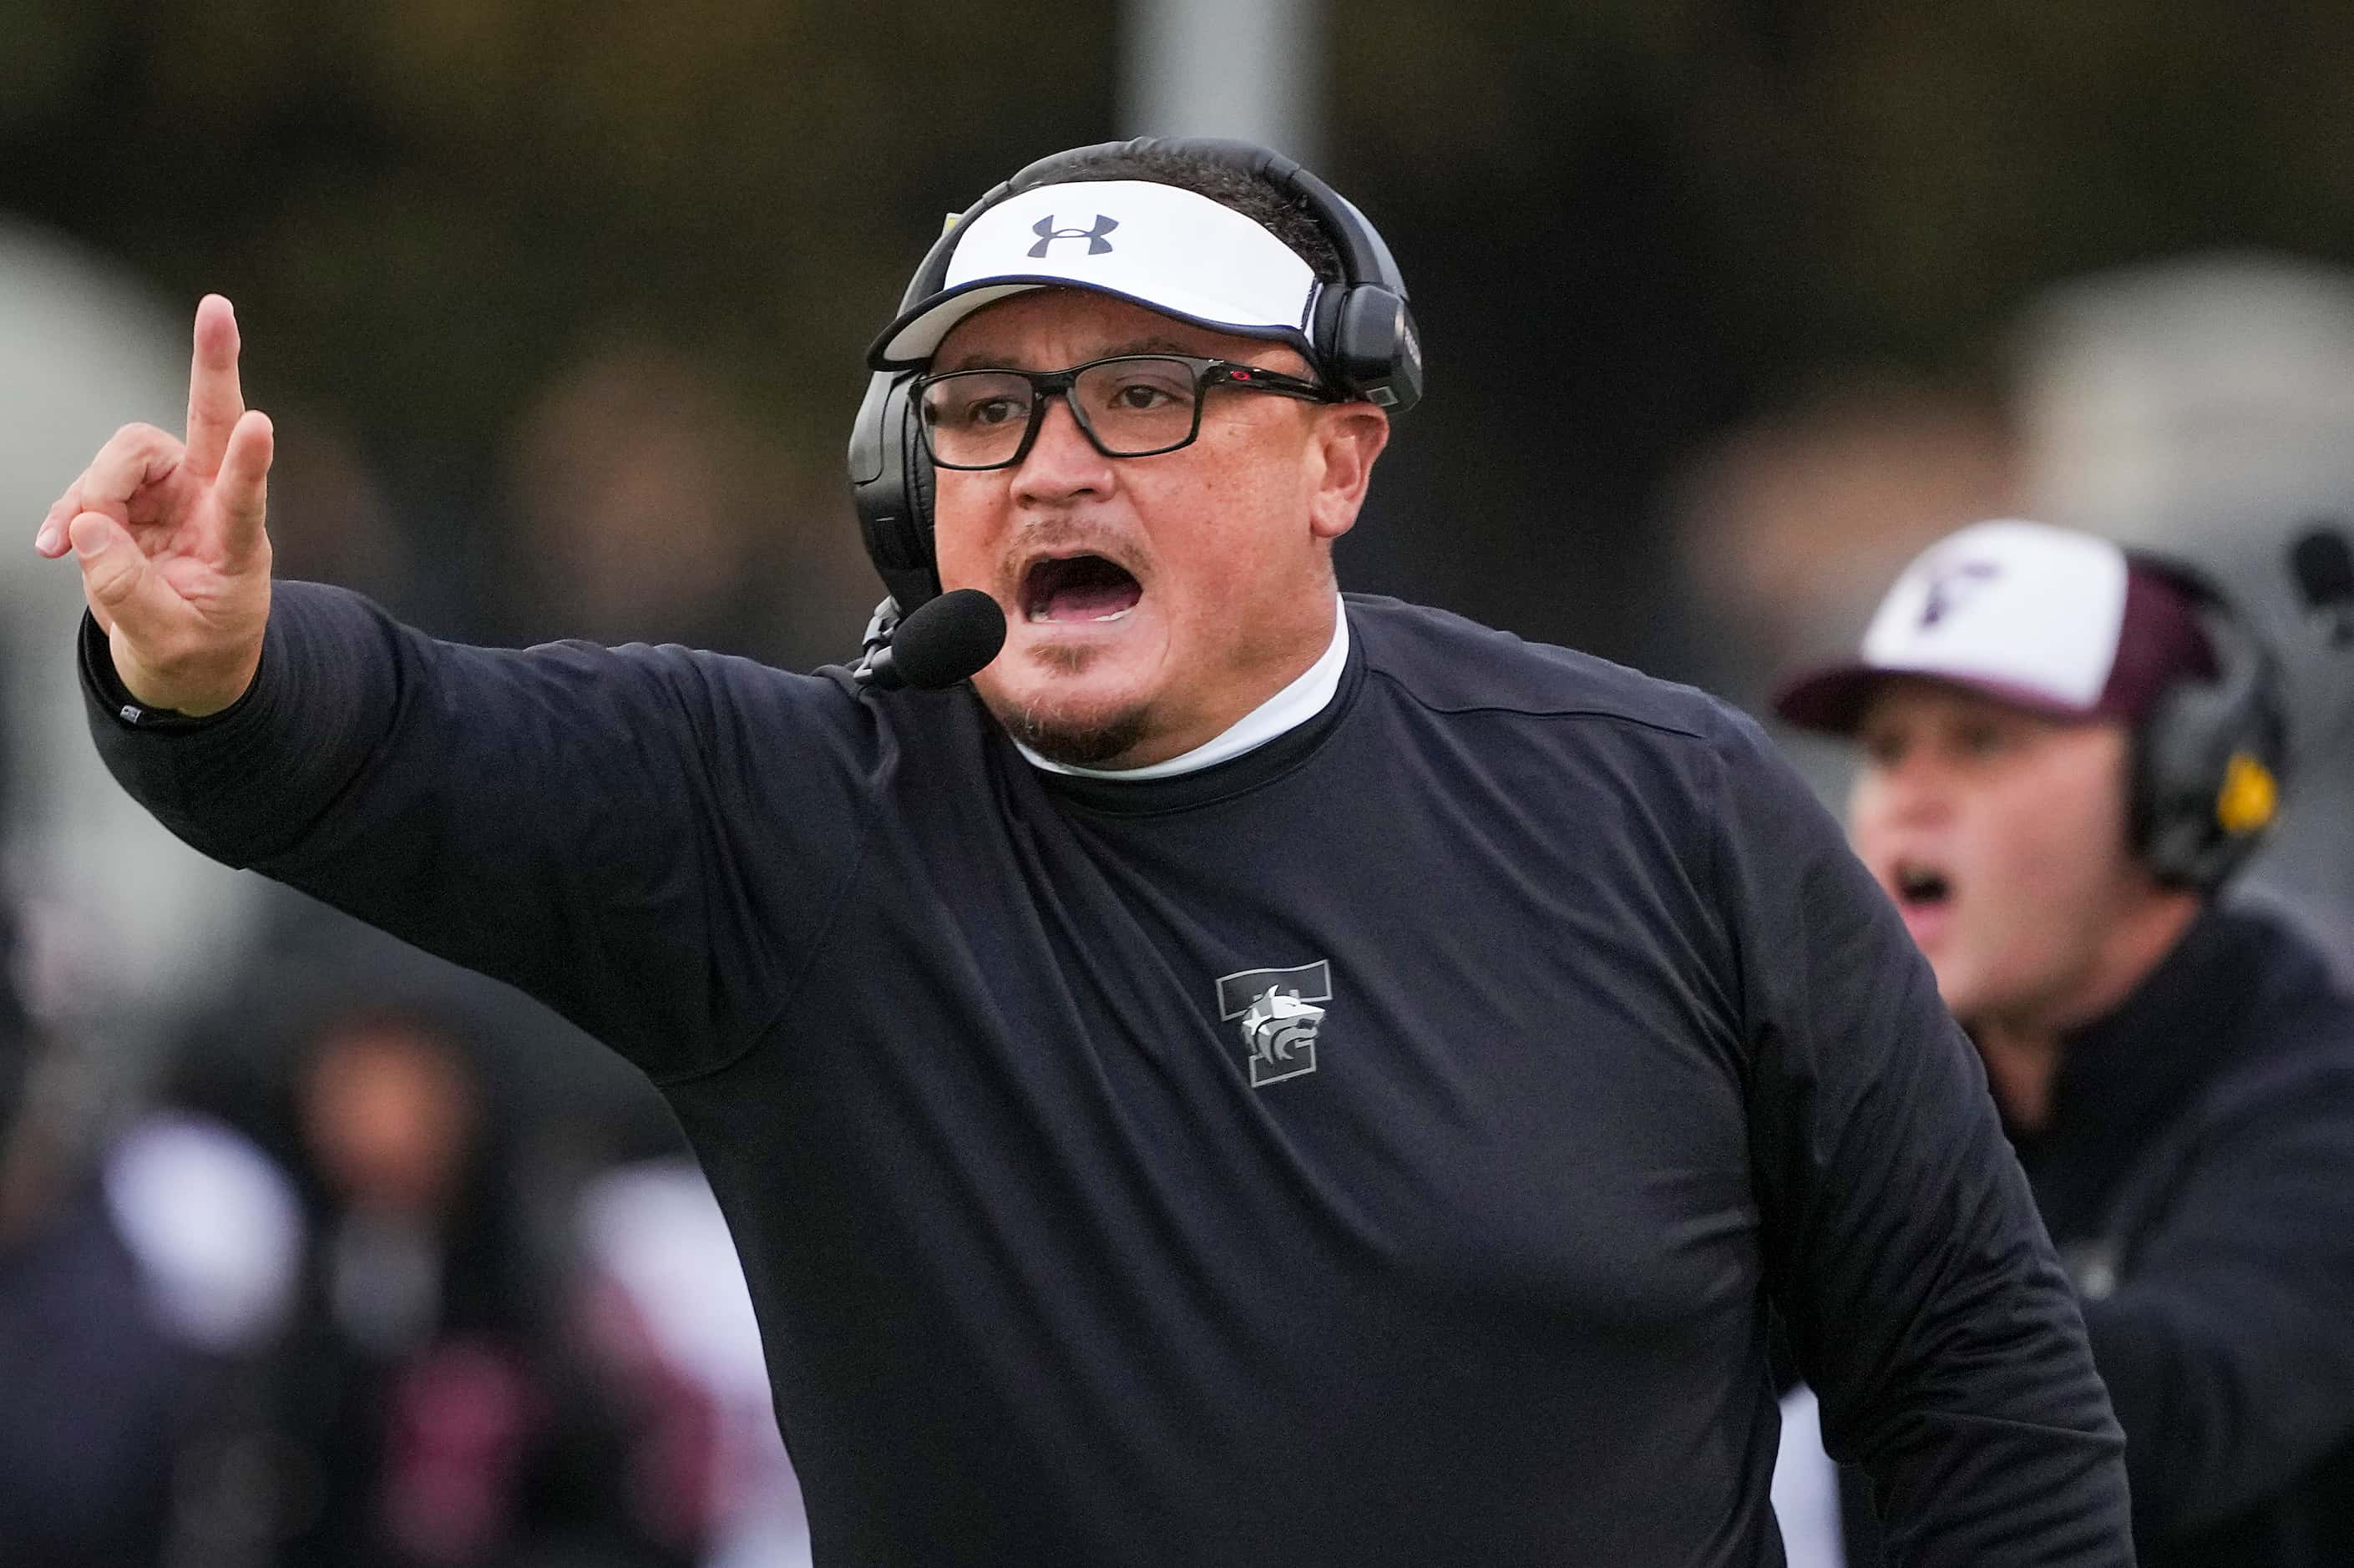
x,y
175,560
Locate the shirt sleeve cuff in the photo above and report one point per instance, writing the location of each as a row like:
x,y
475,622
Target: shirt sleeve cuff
x,y
108,694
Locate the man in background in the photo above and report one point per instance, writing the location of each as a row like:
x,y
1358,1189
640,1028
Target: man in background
x,y
2067,751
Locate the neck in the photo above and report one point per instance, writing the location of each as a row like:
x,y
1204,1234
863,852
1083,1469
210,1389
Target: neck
x,y
1295,646
2023,1047
2021,1064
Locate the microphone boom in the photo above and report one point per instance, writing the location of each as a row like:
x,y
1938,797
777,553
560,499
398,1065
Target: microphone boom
x,y
942,641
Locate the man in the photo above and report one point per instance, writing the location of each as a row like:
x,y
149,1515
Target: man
x,y
2067,750
1256,1078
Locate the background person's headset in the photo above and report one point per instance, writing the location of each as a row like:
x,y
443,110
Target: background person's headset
x,y
2211,760
1361,338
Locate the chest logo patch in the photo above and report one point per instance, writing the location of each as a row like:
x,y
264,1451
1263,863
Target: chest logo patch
x,y
1276,1013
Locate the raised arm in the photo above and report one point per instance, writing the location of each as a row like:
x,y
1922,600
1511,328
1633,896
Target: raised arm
x,y
1923,1300
647,839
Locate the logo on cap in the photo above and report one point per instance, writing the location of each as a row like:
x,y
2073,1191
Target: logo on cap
x,y
1949,585
1097,244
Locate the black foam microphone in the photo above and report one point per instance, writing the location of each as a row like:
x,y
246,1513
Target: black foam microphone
x,y
2323,566
944,640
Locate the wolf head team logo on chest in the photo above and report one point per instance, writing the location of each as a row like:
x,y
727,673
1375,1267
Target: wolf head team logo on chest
x,y
1277,1014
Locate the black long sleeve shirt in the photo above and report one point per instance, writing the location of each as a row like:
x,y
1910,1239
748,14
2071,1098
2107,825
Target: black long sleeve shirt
x,y
2197,1170
1381,1147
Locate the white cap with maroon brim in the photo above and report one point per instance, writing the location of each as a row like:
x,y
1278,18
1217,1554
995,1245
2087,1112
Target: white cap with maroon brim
x,y
2050,619
1168,249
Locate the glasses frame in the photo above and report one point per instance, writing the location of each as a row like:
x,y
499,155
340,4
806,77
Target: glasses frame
x,y
1045,384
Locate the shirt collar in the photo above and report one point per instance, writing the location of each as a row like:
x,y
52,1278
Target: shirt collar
x,y
1289,708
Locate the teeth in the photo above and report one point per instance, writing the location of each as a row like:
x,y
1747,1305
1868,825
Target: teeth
x,y
1040,618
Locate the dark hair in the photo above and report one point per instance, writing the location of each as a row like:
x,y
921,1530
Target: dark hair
x,y
1279,211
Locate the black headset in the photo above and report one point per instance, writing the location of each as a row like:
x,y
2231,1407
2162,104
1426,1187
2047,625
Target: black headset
x,y
2211,760
1361,338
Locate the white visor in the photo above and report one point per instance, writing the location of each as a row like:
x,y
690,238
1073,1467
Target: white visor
x,y
1168,249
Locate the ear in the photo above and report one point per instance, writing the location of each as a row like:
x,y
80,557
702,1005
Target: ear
x,y
1347,438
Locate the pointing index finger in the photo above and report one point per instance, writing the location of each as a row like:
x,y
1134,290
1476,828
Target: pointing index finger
x,y
215,400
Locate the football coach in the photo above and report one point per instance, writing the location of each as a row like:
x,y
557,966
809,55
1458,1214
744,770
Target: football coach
x,y
1256,1076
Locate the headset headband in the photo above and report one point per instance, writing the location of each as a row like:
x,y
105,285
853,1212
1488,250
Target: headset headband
x,y
1362,331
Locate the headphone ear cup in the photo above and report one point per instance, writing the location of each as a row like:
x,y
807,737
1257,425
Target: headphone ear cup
x,y
2207,781
1373,350
922,485
2169,817
891,489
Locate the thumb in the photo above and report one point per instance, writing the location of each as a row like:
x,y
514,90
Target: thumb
x,y
123,588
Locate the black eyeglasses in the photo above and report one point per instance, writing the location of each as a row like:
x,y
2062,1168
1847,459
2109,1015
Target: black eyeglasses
x,y
1131,405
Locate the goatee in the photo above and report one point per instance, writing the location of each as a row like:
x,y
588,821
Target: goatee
x,y
1090,745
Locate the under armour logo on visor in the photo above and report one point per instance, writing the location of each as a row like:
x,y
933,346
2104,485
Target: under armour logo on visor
x,y
1949,585
1048,234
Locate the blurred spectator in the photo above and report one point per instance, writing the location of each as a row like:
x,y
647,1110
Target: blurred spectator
x,y
2066,751
447,1420
381,1363
135,1292
674,1311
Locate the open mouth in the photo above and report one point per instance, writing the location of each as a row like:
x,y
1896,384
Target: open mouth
x,y
1078,588
1921,886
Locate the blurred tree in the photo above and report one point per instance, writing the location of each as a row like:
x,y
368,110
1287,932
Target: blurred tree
x,y
1632,221
1627,221
431,202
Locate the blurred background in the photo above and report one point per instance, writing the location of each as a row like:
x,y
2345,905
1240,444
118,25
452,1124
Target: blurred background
x,y
1731,305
